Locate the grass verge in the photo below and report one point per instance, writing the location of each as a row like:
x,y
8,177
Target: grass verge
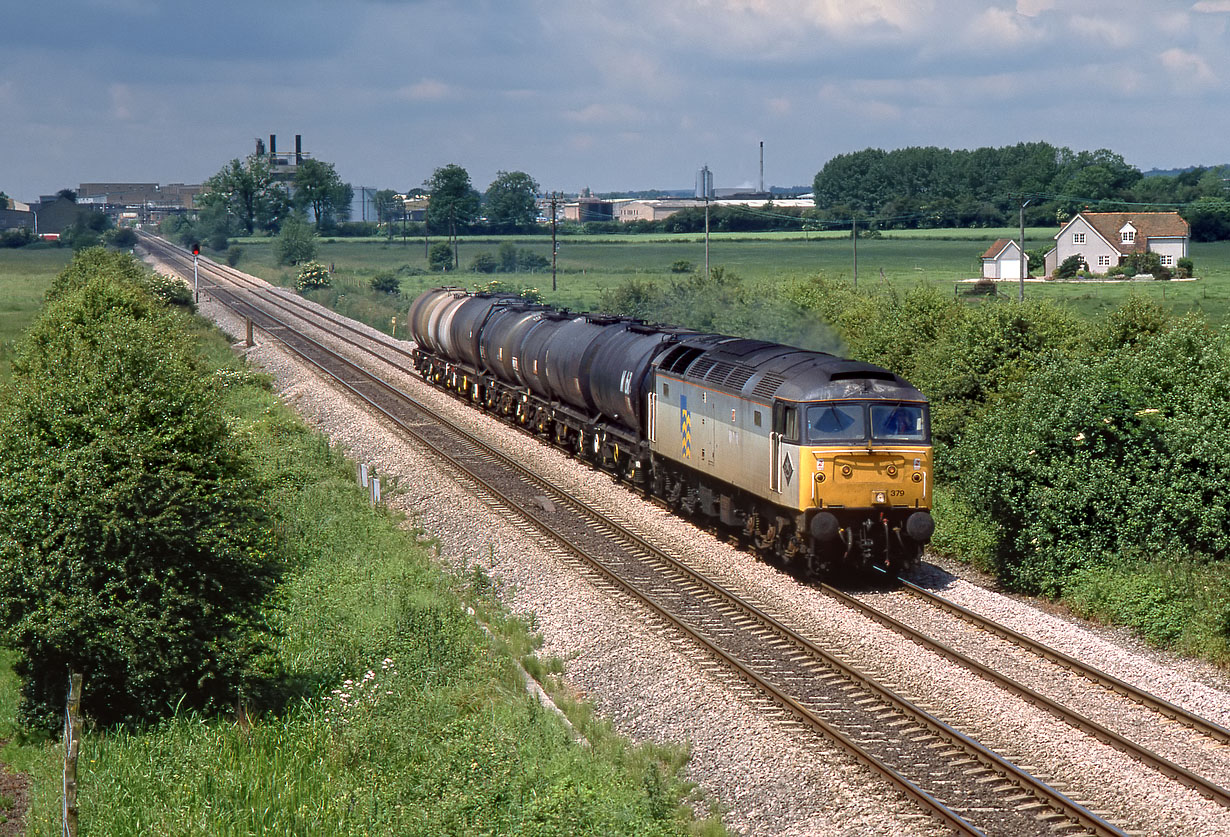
x,y
397,713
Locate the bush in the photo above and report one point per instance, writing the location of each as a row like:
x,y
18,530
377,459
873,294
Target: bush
x,y
19,237
440,256
1185,268
386,283
1099,456
234,254
137,550
484,263
1069,267
313,275
682,266
123,238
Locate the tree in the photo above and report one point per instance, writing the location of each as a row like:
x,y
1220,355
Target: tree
x,y
319,188
247,192
86,230
389,207
454,202
296,241
512,201
137,550
1209,218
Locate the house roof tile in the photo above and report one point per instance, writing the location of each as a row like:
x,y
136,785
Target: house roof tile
x,y
1147,224
997,248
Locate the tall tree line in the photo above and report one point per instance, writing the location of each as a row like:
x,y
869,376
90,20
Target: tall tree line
x,y
941,187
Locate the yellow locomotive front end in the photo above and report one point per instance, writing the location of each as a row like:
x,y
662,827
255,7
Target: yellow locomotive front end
x,y
865,480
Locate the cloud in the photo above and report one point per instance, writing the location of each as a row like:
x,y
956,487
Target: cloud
x,y
610,113
838,15
1212,6
1186,67
1033,8
122,101
427,90
996,28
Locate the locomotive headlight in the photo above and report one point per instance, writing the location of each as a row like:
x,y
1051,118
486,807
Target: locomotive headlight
x,y
892,470
820,477
846,470
918,477
879,497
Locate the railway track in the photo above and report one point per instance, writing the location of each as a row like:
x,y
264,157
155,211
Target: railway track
x,y
963,783
1143,754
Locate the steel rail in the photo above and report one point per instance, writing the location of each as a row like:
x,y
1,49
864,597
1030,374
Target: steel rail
x,y
1142,754
1095,675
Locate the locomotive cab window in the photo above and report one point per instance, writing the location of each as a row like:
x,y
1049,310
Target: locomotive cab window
x,y
756,417
899,422
837,421
666,389
786,421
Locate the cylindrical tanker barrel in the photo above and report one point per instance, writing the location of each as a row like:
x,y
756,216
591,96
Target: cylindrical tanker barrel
x,y
619,373
567,354
534,347
421,310
439,326
504,329
467,322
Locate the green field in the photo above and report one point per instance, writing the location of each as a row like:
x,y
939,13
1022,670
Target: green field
x,y
587,265
25,275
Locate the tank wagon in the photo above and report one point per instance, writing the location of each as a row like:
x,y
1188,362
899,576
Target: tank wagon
x,y
815,461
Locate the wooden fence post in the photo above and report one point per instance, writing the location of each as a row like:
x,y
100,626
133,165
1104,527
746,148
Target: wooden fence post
x,y
72,742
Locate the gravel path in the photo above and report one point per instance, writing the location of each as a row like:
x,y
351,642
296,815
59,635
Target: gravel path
x,y
655,687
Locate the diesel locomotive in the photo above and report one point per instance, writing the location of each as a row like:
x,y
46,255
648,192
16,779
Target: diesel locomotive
x,y
819,463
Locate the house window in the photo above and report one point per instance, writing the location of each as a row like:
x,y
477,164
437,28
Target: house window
x,y
1103,261
1167,261
1127,236
1078,238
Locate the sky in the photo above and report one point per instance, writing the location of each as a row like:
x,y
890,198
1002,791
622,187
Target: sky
x,y
611,95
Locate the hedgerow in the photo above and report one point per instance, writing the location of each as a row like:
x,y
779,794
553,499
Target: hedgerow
x,y
1120,453
136,547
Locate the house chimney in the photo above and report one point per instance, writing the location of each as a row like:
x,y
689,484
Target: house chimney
x,y
298,149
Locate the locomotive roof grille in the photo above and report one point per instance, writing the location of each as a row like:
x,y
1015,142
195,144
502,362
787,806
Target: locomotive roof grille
x,y
700,368
739,377
719,373
768,385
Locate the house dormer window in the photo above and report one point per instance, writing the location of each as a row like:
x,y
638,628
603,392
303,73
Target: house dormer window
x,y
1078,238
1127,236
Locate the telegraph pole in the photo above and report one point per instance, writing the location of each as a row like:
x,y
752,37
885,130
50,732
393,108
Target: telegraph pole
x,y
554,246
1024,258
854,238
707,273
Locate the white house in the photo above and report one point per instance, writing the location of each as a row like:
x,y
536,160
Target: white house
x,y
1002,260
1103,239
